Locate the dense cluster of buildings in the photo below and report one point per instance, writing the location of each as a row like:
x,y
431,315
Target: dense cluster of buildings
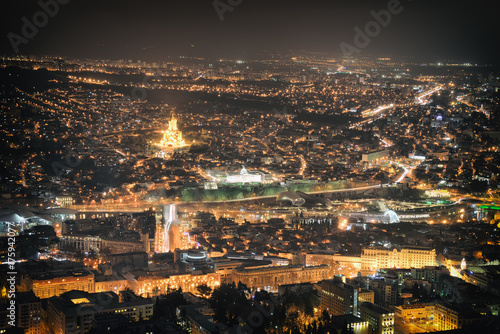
x,y
334,130
365,200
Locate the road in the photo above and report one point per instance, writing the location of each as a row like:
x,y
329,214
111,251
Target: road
x,y
380,111
139,206
406,328
420,98
481,110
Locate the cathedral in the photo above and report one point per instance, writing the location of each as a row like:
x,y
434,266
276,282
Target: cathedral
x,y
172,140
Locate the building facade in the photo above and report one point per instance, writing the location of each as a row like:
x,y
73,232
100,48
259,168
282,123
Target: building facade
x,y
74,312
377,258
381,319
85,243
270,278
448,318
386,293
366,296
154,284
415,312
55,284
28,313
338,298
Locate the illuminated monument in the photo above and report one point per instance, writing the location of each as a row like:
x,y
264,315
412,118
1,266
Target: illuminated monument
x,y
172,140
167,236
243,176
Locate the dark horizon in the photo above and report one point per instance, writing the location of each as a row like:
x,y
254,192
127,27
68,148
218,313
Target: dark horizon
x,y
153,30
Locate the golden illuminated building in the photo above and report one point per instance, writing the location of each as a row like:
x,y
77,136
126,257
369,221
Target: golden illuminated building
x,y
65,201
415,312
270,278
56,282
224,267
366,296
172,139
346,265
103,284
414,257
372,259
446,318
154,284
380,319
46,286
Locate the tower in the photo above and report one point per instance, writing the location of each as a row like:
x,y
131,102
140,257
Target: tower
x,y
167,237
172,125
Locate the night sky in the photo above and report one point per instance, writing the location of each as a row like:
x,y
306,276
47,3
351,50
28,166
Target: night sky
x,y
437,30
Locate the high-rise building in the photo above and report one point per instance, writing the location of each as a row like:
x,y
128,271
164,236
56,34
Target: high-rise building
x,y
167,237
365,295
386,293
28,313
348,323
454,317
381,319
339,298
75,311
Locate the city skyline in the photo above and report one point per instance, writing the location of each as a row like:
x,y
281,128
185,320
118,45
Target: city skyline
x,y
153,30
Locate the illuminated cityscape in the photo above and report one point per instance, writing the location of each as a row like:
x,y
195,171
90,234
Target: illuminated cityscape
x,y
249,167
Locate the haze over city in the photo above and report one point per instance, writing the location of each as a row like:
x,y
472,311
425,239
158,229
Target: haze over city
x,y
152,30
